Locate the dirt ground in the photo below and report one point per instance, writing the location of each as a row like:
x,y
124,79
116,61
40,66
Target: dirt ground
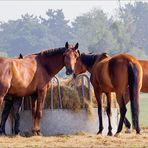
x,y
80,139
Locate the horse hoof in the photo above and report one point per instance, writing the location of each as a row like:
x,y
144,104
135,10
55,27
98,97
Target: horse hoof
x,y
17,132
128,131
39,134
109,134
34,133
99,133
117,134
138,133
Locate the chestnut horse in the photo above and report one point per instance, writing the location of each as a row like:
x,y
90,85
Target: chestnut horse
x,y
31,76
113,74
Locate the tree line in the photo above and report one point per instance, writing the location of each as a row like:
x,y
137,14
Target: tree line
x,y
94,30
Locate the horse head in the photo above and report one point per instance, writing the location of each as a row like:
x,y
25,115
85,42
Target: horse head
x,y
70,57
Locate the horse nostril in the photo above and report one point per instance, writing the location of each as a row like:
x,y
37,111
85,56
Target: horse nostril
x,y
74,75
69,71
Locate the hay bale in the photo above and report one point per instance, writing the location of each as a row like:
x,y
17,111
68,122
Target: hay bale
x,y
71,95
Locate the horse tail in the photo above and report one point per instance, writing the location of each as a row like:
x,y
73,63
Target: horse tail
x,y
134,96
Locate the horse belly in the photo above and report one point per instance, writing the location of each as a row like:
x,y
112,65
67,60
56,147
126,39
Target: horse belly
x,y
145,79
21,91
145,85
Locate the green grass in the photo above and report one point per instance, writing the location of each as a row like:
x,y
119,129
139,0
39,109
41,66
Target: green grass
x,y
143,110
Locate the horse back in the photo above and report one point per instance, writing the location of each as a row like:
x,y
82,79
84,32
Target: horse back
x,y
119,71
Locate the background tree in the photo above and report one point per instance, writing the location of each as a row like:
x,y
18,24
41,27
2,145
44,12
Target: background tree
x,y
60,30
94,30
138,29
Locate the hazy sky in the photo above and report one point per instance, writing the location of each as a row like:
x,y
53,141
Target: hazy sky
x,y
14,9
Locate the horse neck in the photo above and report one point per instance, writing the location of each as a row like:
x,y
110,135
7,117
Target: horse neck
x,y
87,65
54,64
89,68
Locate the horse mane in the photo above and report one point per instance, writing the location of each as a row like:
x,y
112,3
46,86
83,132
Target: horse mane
x,y
51,52
90,59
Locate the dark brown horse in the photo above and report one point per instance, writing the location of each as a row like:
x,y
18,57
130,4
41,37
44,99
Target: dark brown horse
x,y
31,76
113,74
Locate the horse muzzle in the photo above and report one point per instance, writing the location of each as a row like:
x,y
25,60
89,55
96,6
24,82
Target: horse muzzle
x,y
69,71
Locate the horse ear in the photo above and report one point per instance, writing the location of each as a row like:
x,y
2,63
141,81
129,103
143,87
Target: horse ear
x,y
105,55
66,45
20,56
78,52
76,46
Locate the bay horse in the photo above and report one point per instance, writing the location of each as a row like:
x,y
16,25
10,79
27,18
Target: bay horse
x,y
144,89
113,74
31,76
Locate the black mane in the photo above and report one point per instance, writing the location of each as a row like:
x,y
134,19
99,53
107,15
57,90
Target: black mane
x,y
88,59
51,52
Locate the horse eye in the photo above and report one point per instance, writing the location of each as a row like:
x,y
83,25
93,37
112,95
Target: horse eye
x,y
75,55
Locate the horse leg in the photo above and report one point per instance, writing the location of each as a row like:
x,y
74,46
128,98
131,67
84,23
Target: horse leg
x,y
126,122
128,125
123,110
5,114
16,110
109,113
99,102
39,111
34,107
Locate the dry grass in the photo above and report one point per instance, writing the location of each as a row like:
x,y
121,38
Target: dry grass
x,y
80,139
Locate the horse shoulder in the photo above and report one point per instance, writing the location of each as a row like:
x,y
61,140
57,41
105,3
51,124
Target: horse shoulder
x,y
23,71
5,70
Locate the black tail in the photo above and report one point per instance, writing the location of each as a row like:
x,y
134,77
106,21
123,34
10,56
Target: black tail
x,y
133,90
